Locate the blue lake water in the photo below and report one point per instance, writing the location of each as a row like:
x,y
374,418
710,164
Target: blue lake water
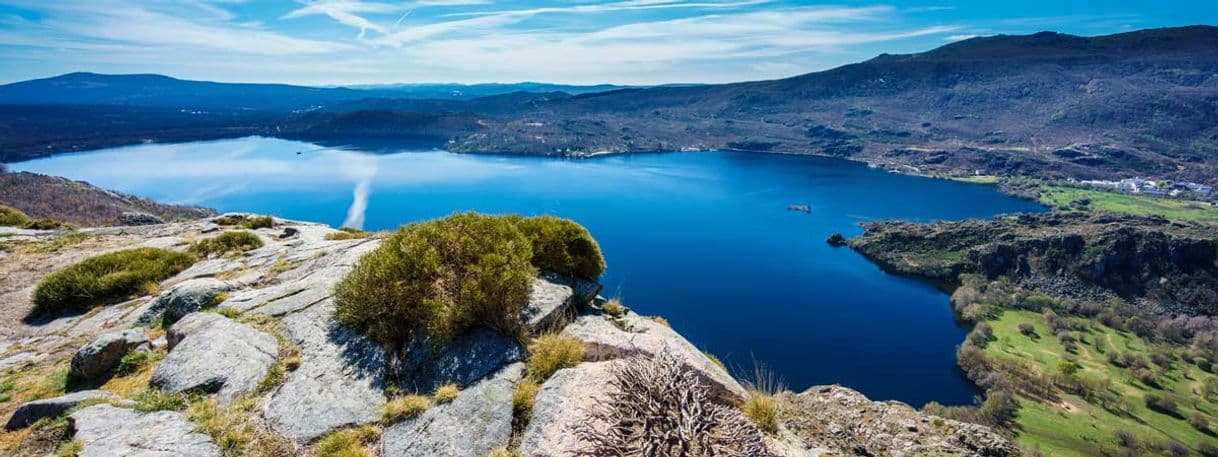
x,y
704,239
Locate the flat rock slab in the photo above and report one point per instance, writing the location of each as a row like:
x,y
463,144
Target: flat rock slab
x,y
107,431
563,404
49,408
464,361
212,353
554,297
339,382
101,355
606,337
473,424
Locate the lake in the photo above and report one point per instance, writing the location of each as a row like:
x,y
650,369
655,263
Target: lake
x,y
703,239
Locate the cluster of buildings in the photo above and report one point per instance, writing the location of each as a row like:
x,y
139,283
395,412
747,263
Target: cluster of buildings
x,y
1152,187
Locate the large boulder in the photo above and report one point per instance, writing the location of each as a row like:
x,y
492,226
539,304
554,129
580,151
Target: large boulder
x,y
188,296
211,353
107,431
339,382
564,403
606,337
49,408
554,300
464,361
473,424
101,355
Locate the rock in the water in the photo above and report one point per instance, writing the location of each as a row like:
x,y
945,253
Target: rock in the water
x,y
846,422
103,353
565,402
634,335
138,218
473,424
836,240
339,381
464,361
211,353
188,297
107,431
47,408
553,299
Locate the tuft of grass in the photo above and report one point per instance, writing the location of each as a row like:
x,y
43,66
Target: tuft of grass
x,y
251,223
226,243
762,409
105,278
158,400
348,233
523,398
71,448
404,407
562,246
44,223
613,307
553,352
714,359
504,452
13,217
226,427
659,320
348,442
445,393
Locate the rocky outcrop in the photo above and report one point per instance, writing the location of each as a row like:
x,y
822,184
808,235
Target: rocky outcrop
x,y
606,337
188,297
478,421
107,431
464,361
138,218
846,423
554,299
101,355
211,353
50,408
1162,266
339,381
566,401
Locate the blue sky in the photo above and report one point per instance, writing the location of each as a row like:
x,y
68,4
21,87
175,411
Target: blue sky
x,y
328,42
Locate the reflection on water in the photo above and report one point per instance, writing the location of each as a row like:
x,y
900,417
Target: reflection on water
x,y
704,239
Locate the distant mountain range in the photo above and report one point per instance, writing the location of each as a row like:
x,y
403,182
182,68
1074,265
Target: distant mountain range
x,y
1046,105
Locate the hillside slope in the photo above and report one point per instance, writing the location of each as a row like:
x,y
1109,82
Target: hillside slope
x,y
80,203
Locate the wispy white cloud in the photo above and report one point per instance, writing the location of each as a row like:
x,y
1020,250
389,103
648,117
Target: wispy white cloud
x,y
346,12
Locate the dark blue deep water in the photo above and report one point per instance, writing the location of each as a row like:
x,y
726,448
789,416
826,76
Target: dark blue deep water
x,y
704,239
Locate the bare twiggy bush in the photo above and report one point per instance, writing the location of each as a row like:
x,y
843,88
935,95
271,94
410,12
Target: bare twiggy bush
x,y
658,407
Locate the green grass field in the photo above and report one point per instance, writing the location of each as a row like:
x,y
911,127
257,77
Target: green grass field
x,y
1070,425
978,179
1060,197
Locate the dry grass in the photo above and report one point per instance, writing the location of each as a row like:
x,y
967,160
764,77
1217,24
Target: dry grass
x,y
523,398
348,233
349,442
762,409
613,307
659,320
404,407
237,429
504,452
445,393
553,352
133,374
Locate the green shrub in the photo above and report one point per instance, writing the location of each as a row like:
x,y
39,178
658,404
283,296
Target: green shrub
x,y
45,223
13,217
562,246
434,279
97,280
257,222
550,353
225,243
348,233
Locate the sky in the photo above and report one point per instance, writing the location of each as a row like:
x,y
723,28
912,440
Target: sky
x,y
637,42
